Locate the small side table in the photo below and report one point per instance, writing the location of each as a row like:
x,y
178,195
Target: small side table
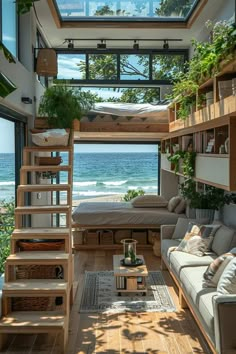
x,y
128,278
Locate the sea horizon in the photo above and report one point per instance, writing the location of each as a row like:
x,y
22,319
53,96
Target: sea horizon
x,y
95,174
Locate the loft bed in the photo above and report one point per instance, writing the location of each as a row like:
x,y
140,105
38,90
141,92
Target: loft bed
x,y
125,117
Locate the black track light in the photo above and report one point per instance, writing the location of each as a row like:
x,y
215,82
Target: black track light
x,y
70,44
101,45
136,45
166,44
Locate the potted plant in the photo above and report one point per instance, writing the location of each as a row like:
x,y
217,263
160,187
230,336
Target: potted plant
x,y
62,104
184,160
204,202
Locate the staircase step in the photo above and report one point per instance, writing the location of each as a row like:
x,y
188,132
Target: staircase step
x,y
44,233
35,287
38,321
47,148
42,209
43,187
39,168
38,257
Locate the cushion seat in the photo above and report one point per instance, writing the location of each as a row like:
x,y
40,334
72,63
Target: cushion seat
x,y
179,260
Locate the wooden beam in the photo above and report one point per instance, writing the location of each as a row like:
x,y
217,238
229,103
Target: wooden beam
x,y
123,127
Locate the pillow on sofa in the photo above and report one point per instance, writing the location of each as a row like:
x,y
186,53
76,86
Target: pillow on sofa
x,y
197,239
173,202
180,207
149,201
215,270
223,240
227,282
182,226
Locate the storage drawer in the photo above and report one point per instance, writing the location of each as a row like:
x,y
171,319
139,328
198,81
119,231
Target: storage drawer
x,y
140,236
106,237
91,237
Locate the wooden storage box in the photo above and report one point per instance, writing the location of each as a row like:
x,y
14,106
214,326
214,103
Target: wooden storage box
x,y
78,236
106,237
153,235
91,237
121,235
140,236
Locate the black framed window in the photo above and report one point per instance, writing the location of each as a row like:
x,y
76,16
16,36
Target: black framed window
x,y
90,66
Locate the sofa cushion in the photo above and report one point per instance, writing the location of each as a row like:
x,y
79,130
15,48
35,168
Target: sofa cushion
x,y
173,202
149,201
197,239
201,299
182,224
166,247
223,240
227,282
180,260
214,271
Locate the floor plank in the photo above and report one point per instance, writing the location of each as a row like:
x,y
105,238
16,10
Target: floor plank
x,y
139,333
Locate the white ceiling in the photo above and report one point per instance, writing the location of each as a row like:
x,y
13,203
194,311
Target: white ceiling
x,y
56,36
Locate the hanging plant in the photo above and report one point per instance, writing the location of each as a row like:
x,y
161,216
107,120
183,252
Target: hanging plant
x,y
24,6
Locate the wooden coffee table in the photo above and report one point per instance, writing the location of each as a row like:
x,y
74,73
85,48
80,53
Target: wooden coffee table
x,y
129,278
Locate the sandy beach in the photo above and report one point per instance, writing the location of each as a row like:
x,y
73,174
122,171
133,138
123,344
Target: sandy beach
x,y
106,198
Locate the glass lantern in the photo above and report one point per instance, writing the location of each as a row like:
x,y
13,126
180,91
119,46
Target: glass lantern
x,y
129,250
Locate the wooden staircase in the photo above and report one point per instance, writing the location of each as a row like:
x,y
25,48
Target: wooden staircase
x,y
38,289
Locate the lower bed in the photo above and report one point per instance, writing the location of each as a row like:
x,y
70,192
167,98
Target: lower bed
x,y
93,215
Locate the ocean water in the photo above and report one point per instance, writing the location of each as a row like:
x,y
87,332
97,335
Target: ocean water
x,y
96,174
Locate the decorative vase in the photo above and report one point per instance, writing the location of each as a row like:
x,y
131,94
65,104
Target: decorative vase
x,y
129,250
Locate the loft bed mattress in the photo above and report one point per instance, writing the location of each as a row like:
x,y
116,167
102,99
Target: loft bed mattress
x,y
115,214
128,109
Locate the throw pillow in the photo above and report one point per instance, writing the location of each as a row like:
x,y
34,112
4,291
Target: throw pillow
x,y
182,225
215,270
149,201
180,207
197,239
173,202
227,282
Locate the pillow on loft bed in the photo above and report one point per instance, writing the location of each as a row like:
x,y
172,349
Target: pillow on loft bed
x,y
149,201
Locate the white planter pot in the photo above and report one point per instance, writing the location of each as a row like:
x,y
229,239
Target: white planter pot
x,y
205,214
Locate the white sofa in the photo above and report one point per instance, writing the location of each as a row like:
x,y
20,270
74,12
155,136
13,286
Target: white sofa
x,y
214,313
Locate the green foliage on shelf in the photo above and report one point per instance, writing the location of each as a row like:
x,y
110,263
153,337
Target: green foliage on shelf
x,y
204,64
132,193
188,162
6,228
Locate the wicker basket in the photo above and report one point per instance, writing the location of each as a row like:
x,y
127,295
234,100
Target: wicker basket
x,y
41,245
33,303
106,237
35,271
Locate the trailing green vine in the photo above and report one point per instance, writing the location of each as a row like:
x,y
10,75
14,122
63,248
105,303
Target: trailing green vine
x,y
188,162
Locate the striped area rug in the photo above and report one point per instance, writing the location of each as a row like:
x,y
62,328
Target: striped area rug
x,y
99,295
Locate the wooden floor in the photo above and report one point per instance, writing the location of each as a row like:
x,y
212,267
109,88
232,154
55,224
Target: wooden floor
x,y
140,333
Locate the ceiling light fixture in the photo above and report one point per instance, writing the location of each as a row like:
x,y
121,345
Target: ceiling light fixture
x,y
166,44
70,44
136,45
102,45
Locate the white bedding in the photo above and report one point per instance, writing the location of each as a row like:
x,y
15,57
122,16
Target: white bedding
x,y
128,109
115,214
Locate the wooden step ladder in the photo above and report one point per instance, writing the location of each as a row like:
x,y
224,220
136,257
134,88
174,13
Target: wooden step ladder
x,y
26,272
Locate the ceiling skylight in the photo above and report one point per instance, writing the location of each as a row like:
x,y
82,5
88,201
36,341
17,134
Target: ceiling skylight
x,y
131,10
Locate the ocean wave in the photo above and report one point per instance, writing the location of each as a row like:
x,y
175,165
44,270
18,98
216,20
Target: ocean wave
x,y
10,183
84,184
94,193
115,183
